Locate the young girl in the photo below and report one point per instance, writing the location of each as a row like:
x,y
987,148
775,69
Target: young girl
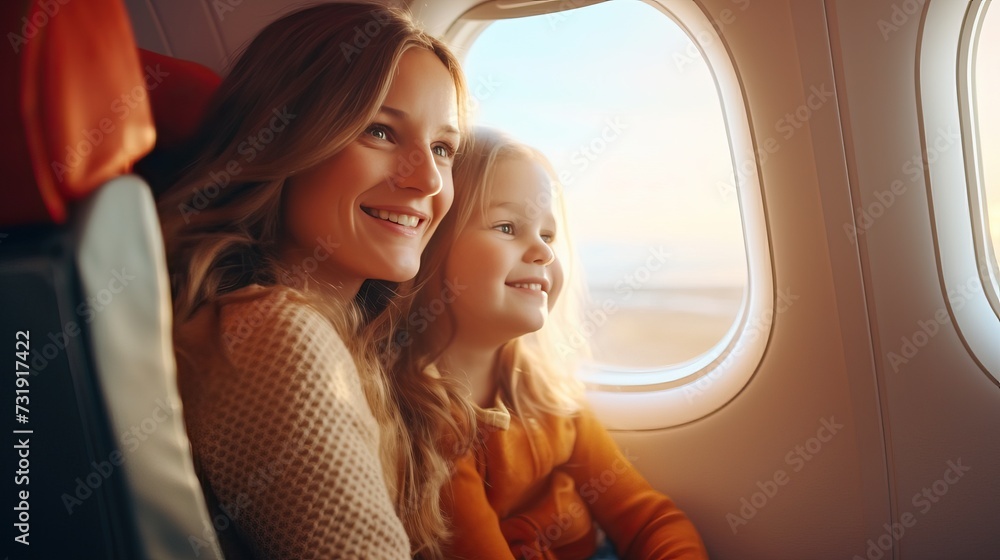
x,y
325,165
542,470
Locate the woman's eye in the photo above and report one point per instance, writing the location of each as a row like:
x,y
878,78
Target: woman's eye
x,y
506,229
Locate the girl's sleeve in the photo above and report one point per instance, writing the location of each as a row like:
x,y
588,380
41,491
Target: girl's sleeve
x,y
290,450
475,527
643,523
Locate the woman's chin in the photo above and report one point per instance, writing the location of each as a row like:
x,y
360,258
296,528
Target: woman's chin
x,y
400,273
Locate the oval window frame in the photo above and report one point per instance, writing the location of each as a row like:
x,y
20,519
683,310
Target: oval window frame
x,y
946,47
680,393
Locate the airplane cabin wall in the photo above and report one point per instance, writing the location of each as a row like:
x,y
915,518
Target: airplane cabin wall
x,y
941,407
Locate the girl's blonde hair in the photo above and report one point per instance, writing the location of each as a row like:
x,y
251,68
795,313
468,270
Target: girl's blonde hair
x,y
536,371
304,88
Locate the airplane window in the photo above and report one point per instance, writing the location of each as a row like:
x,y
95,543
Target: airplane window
x,y
965,183
623,103
987,83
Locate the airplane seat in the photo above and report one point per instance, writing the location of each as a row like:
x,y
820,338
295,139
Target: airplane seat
x,y
104,468
179,97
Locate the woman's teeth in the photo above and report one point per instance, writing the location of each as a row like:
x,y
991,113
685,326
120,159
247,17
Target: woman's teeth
x,y
401,219
535,287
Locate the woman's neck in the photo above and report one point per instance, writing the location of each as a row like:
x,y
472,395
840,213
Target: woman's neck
x,y
474,367
325,279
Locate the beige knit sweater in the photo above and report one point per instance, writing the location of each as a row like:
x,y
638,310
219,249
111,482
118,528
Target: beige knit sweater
x,y
283,438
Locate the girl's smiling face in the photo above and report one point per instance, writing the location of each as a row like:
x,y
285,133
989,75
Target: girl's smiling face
x,y
505,260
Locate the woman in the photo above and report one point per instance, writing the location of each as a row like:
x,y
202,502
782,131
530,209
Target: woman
x,y
323,170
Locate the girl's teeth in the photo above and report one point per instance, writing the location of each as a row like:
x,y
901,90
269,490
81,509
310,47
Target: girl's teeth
x,y
535,287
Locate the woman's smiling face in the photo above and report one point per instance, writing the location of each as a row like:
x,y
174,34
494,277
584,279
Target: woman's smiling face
x,y
368,211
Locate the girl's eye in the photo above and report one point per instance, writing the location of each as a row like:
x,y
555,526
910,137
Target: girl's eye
x,y
548,237
506,229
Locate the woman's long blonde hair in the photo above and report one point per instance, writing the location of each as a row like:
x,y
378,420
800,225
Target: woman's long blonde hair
x,y
536,371
304,88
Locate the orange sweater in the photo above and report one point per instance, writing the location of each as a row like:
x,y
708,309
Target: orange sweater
x,y
507,501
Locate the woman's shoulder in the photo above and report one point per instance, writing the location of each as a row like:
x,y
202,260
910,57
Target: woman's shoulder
x,y
263,329
289,397
257,310
279,323
256,304
261,348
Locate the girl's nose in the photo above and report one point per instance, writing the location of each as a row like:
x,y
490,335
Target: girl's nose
x,y
540,252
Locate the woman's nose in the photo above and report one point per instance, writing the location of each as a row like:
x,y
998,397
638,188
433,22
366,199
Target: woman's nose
x,y
417,169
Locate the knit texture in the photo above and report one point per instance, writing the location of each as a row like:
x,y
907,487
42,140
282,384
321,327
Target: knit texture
x,y
283,437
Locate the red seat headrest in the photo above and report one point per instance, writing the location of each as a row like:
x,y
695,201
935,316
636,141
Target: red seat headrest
x,y
74,106
180,101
